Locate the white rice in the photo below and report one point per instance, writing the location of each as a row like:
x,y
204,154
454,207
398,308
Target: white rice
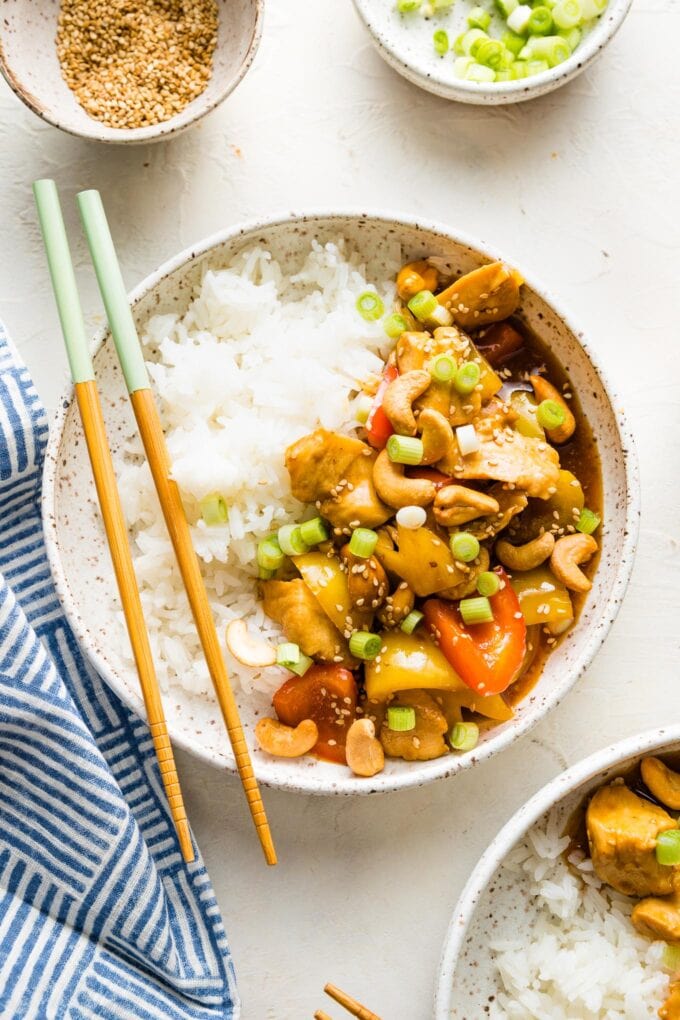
x,y
259,359
584,960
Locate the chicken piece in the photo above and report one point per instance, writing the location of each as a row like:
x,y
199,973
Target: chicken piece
x,y
662,782
505,455
671,1007
659,918
469,585
510,503
366,580
336,473
424,742
295,608
622,831
397,606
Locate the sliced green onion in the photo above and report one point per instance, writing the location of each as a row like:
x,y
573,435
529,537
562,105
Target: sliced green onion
x,y
394,325
476,610
471,40
468,440
488,583
506,7
362,408
490,52
440,41
480,73
408,6
442,368
504,74
519,19
479,18
441,5
464,736
588,521
401,718
213,510
423,304
464,546
461,65
287,654
405,449
668,847
593,8
540,21
671,958
467,377
512,41
440,316
572,37
313,532
364,645
550,48
370,306
550,415
537,67
363,542
519,69
291,541
265,575
270,556
409,624
567,14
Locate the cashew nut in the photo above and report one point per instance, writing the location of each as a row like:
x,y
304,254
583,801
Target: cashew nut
x,y
365,755
286,741
545,390
395,489
527,556
397,606
457,504
569,551
663,782
414,277
399,397
437,436
246,649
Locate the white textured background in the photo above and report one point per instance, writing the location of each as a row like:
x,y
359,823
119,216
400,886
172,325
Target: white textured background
x,y
580,188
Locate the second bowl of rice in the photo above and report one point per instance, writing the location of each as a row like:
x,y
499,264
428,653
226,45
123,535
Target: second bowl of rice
x,y
252,339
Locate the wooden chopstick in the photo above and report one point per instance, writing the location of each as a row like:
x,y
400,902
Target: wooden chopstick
x,y
73,328
129,351
350,1004
320,1015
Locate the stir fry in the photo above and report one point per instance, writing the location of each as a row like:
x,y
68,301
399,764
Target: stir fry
x,y
448,543
630,829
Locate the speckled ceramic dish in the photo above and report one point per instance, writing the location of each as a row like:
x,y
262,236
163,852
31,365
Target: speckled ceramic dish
x,y
405,42
80,560
494,904
28,60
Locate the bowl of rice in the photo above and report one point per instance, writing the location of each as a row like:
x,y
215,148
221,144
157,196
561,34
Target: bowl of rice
x,y
252,338
535,933
491,52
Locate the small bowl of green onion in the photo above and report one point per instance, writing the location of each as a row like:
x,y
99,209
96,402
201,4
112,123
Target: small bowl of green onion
x,y
491,51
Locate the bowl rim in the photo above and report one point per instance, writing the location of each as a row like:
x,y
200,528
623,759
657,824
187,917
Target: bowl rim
x,y
548,797
101,132
270,773
481,93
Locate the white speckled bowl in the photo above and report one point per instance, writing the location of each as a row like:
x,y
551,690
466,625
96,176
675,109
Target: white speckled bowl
x,y
494,903
407,46
80,561
28,60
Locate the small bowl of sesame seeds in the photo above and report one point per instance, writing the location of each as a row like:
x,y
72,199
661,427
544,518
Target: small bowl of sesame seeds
x,y
115,72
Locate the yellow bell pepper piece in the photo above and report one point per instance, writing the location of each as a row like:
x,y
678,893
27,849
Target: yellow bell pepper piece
x,y
423,560
409,662
493,706
543,599
328,582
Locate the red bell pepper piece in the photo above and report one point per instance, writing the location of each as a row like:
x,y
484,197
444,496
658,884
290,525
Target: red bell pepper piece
x,y
313,696
378,425
486,656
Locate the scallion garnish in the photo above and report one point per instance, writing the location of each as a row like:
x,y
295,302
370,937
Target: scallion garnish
x,y
270,556
588,521
668,847
468,440
491,53
488,583
405,449
552,49
313,532
540,21
408,6
362,408
464,547
401,718
567,14
442,367
413,620
363,542
291,541
464,736
467,377
440,41
550,415
512,41
518,20
394,325
364,645
213,510
479,18
671,958
290,657
506,7
370,306
422,305
476,610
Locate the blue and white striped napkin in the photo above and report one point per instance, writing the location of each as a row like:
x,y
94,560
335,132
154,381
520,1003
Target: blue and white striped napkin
x,y
99,917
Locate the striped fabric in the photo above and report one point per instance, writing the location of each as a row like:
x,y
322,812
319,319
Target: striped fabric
x,y
99,917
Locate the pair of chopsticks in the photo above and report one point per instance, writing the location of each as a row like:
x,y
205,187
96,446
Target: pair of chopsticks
x,y
130,355
350,1004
